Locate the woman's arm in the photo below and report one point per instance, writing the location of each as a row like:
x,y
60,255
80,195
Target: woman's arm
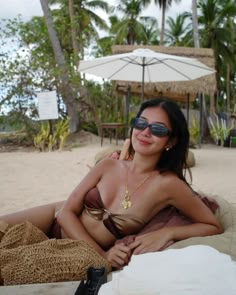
x,y
68,219
68,215
184,199
124,150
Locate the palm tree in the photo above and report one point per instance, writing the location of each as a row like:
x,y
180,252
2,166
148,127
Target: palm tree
x,y
76,24
66,89
195,24
164,5
75,43
85,22
151,31
229,72
129,29
103,46
213,14
90,22
178,31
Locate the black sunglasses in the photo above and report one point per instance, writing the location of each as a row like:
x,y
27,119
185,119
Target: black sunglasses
x,y
156,129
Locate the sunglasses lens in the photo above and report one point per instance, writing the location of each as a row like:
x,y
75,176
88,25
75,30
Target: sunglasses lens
x,y
156,129
139,123
159,130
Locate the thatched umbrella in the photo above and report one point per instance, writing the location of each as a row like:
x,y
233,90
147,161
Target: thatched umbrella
x,y
178,90
183,91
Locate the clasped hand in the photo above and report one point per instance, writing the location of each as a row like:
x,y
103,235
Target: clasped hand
x,y
119,255
151,242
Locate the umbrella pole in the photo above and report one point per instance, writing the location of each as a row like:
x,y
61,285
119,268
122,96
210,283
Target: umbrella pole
x,y
143,73
127,111
188,109
200,120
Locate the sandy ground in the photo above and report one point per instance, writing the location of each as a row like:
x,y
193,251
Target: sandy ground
x,y
32,178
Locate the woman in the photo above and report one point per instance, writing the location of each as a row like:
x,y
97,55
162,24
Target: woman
x,y
117,198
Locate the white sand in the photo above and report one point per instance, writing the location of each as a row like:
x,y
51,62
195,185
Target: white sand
x,y
32,178
215,171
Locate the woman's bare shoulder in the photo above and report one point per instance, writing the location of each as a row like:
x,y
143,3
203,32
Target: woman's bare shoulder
x,y
108,164
171,185
167,178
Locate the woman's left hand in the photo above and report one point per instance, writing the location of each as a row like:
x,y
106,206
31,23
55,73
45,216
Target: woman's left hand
x,y
114,155
151,242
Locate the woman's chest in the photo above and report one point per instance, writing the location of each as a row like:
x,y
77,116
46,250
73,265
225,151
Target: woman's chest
x,y
144,202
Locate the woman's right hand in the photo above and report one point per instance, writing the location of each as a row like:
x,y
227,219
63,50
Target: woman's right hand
x,y
118,255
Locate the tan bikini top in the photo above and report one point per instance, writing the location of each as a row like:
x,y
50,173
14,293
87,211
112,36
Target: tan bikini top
x,y
119,225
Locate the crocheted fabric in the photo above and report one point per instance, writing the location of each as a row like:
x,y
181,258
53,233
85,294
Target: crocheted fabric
x,y
21,234
27,256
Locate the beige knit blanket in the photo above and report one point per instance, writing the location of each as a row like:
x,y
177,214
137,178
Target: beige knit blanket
x,y
27,256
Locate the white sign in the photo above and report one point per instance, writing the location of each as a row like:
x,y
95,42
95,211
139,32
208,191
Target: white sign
x,y
47,105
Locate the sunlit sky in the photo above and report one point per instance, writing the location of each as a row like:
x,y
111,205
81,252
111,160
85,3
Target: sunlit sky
x,y
29,8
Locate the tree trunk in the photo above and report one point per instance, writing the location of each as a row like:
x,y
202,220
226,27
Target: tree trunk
x,y
163,23
201,97
74,33
228,88
212,104
66,89
195,24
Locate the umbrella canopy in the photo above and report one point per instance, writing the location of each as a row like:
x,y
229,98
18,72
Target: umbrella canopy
x,y
145,66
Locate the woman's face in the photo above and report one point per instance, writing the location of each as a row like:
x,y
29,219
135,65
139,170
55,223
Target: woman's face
x,y
144,141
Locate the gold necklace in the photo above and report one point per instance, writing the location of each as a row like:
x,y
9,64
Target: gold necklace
x,y
126,202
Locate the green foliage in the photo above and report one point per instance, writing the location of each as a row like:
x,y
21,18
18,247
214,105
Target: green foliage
x,y
131,28
61,132
27,67
217,33
194,131
30,66
178,30
46,140
86,22
41,139
151,31
18,122
103,47
105,104
218,129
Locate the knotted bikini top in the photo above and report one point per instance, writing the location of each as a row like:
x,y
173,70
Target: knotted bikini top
x,y
119,225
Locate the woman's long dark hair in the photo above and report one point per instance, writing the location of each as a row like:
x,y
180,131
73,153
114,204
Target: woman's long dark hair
x,y
175,159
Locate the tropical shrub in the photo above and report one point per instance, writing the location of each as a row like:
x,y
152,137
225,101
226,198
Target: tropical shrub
x,y
194,131
218,129
48,139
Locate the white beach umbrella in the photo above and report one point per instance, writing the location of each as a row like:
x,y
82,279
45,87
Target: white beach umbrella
x,y
145,66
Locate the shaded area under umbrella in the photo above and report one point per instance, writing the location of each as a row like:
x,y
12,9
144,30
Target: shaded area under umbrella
x,y
145,66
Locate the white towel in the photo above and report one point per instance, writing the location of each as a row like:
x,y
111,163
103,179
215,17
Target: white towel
x,y
194,270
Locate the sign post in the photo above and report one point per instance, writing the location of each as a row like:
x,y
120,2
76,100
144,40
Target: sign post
x,y
47,105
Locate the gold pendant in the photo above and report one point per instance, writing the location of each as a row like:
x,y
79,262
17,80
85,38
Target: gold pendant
x,y
126,203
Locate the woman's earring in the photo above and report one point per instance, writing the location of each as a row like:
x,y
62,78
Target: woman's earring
x,y
167,148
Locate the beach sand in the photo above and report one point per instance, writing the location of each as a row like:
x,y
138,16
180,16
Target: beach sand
x,y
32,178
